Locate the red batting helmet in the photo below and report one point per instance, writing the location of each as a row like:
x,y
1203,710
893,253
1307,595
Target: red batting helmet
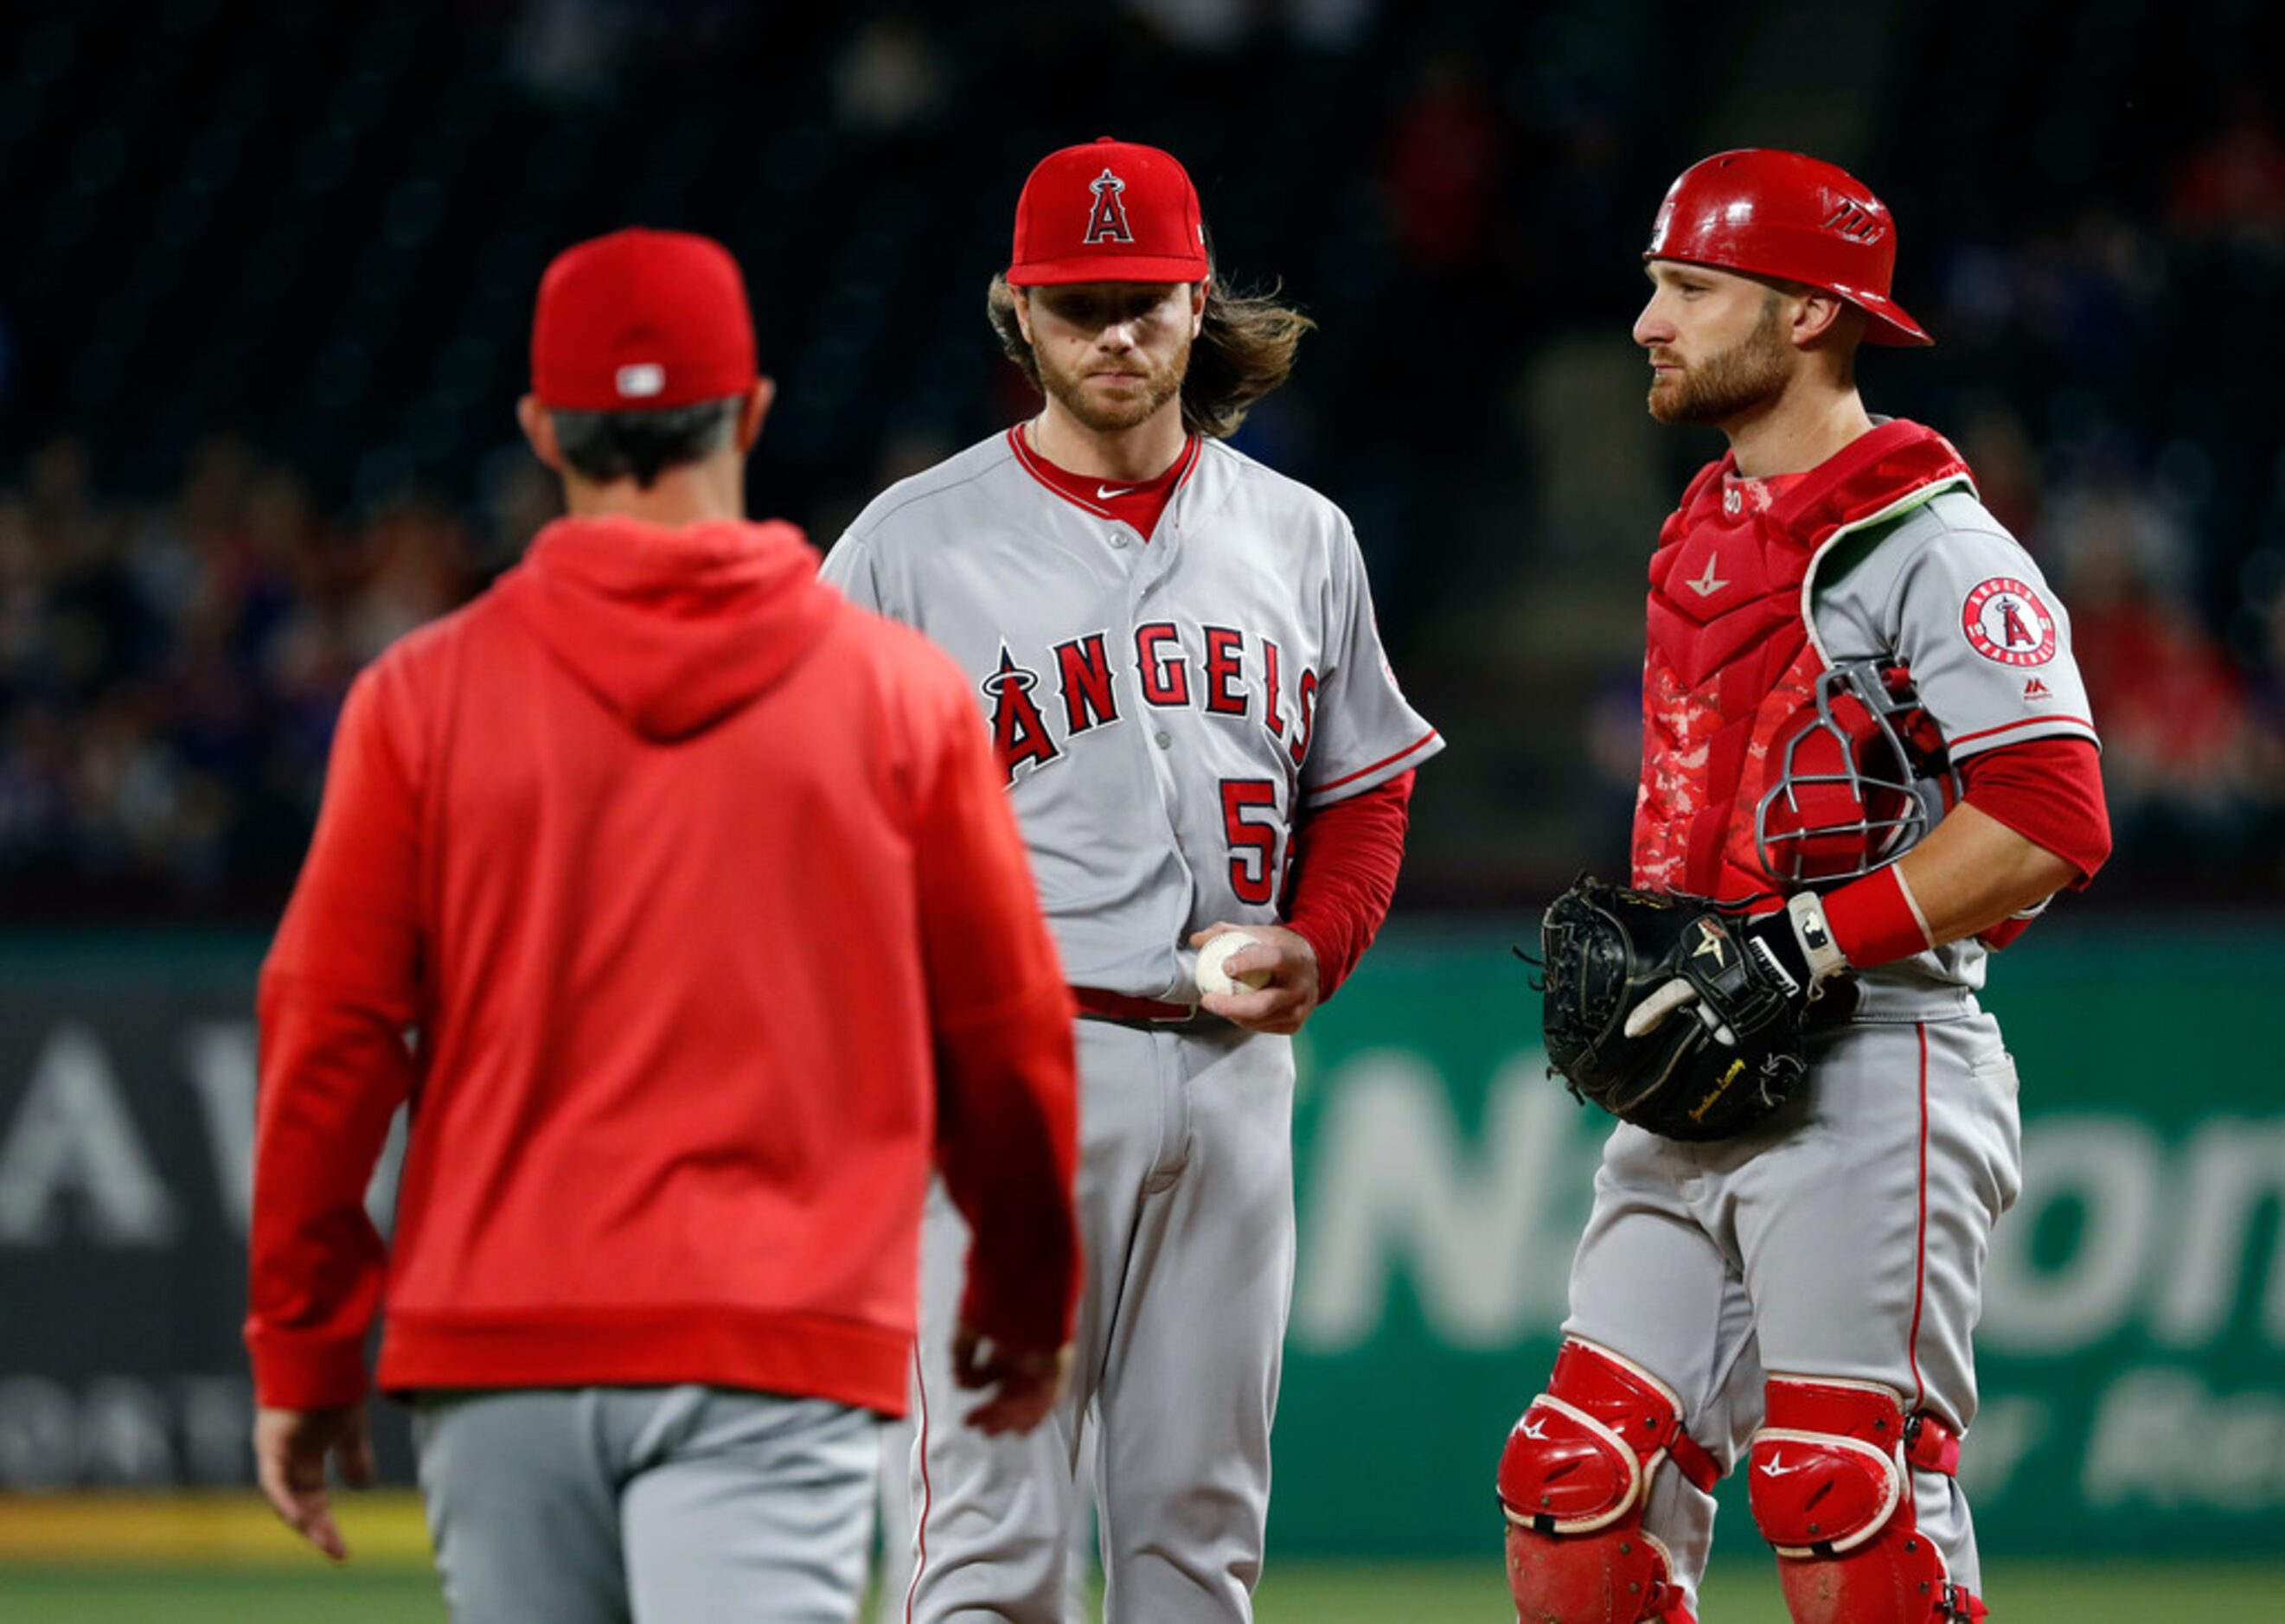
x,y
1799,219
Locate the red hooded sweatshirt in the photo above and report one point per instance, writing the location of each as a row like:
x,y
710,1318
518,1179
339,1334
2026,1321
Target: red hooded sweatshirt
x,y
681,900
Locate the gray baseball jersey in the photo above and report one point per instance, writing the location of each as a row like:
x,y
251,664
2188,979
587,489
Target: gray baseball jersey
x,y
1846,1240
1948,592
1164,708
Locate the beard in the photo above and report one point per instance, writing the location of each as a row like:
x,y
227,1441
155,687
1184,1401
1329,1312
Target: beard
x,y
1731,383
1123,410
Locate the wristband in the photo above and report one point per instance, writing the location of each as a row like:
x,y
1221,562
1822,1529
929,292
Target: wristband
x,y
1814,933
1874,920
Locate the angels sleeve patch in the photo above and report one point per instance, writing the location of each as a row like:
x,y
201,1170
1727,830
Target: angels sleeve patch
x,y
2006,623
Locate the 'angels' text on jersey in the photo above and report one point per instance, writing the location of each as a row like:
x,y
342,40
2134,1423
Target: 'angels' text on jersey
x,y
1236,674
1165,707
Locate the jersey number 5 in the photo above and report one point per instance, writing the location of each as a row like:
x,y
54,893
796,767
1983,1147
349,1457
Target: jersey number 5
x,y
1249,818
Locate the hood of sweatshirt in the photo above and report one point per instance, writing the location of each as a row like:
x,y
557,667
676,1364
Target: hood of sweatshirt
x,y
673,630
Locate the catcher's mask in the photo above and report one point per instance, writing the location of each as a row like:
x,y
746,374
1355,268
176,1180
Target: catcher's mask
x,y
1861,782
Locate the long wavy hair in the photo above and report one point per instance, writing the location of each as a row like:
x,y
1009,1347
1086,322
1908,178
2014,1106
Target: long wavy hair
x,y
1243,349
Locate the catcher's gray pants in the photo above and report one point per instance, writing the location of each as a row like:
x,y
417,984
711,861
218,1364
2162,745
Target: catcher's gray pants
x,y
1186,1211
648,1505
1847,1240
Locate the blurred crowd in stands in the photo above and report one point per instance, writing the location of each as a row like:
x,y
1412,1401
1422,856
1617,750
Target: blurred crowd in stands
x,y
185,595
171,671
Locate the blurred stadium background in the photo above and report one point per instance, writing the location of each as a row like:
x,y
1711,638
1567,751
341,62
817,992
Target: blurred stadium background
x,y
263,305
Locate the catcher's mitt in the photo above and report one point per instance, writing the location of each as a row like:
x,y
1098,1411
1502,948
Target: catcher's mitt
x,y
1714,1045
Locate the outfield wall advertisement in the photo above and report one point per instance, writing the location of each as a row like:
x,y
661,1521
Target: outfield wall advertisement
x,y
2131,1354
2132,1350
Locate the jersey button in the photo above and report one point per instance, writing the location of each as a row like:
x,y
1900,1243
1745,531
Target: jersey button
x,y
1165,741
1117,539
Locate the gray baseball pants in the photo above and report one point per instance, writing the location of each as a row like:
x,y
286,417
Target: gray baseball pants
x,y
1845,1243
648,1505
1186,1209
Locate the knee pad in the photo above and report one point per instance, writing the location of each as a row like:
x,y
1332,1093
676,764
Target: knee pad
x,y
1574,1480
1831,1485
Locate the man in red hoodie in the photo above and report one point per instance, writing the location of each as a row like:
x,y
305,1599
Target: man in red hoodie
x,y
679,900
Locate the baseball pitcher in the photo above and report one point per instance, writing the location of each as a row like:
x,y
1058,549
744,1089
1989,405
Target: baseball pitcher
x,y
1172,651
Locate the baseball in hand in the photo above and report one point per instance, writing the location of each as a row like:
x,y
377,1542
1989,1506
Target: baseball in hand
x,y
1213,978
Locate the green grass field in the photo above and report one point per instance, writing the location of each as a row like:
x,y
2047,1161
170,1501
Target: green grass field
x,y
1318,1594
222,1558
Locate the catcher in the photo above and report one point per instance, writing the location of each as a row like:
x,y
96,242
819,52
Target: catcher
x,y
1867,760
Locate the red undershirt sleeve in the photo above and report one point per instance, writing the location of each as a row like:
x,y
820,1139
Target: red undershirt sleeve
x,y
2050,792
1346,858
2047,790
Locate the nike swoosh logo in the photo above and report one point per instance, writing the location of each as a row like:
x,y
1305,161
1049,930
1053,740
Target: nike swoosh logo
x,y
1774,1467
1104,493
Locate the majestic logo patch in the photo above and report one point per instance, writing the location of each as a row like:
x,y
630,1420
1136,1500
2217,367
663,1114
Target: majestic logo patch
x,y
2004,621
1106,222
2035,689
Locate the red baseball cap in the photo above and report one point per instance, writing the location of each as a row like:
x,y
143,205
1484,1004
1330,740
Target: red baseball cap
x,y
640,320
1111,211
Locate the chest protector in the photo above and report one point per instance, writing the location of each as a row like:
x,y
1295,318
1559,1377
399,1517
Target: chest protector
x,y
1732,666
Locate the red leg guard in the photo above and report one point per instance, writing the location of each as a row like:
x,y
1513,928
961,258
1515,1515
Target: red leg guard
x,y
1574,1480
1832,1491
1618,1576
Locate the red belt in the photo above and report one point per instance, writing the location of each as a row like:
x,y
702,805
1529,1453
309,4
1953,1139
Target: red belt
x,y
1121,1007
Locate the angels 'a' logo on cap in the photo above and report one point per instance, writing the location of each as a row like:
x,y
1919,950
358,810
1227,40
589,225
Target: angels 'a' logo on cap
x,y
2006,624
1106,222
